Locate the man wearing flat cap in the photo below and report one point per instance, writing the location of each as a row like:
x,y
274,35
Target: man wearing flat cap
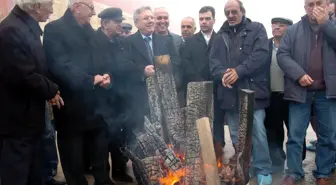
x,y
110,54
277,112
126,29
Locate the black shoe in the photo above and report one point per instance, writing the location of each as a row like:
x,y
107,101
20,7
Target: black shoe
x,y
55,182
122,177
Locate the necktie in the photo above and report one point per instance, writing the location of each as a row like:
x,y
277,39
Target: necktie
x,y
149,49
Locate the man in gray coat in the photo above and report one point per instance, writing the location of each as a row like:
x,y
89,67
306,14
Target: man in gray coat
x,y
308,58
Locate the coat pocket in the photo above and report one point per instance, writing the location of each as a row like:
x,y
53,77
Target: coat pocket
x,y
260,87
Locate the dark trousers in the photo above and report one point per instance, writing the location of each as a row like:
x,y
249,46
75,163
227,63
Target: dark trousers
x,y
119,160
20,162
276,116
71,147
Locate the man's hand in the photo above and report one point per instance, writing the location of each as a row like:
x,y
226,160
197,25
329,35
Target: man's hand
x,y
149,71
229,77
98,79
57,100
106,82
224,83
321,15
306,80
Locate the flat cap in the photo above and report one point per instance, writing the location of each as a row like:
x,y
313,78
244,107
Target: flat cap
x,y
112,14
282,20
126,26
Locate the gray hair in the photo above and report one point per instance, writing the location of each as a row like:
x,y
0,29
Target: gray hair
x,y
137,12
27,5
193,20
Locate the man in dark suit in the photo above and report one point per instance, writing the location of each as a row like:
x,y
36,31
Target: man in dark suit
x,y
25,89
143,46
195,60
70,47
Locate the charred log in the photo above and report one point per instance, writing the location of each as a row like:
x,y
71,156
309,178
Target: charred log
x,y
199,99
237,172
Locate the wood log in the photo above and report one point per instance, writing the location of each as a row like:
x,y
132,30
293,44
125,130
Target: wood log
x,y
246,111
198,101
166,113
240,161
208,151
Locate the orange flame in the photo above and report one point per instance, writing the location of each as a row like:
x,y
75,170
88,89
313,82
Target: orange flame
x,y
172,177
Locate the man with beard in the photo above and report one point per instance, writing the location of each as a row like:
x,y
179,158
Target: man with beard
x,y
307,56
25,89
188,27
238,60
70,48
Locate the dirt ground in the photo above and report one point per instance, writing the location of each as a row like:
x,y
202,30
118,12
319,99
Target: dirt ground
x,y
309,164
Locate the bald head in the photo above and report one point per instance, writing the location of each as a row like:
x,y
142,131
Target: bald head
x,y
234,12
161,17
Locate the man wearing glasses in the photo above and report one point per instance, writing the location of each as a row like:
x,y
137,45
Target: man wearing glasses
x,y
126,29
70,46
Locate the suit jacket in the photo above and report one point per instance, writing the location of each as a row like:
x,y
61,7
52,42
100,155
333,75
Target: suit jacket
x,y
70,49
136,47
195,58
24,85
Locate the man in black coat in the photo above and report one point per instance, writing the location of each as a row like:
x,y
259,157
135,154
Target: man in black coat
x,y
70,48
111,50
24,92
238,60
142,47
195,62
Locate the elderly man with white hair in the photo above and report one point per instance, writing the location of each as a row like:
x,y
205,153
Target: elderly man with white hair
x,y
71,52
25,89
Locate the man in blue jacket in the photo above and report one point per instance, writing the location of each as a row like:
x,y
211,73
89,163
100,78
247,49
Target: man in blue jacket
x,y
238,60
308,58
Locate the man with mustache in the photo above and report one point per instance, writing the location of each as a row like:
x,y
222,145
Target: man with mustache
x,y
188,27
307,56
238,60
70,48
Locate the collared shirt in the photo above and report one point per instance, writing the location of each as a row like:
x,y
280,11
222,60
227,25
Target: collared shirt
x,y
207,37
275,48
151,40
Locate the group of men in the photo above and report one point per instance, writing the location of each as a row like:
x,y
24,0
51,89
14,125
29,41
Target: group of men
x,y
96,82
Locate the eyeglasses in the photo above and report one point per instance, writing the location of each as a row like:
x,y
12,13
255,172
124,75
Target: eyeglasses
x,y
89,6
233,12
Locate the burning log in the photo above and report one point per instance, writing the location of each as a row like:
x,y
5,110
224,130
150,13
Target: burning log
x,y
237,172
199,103
163,101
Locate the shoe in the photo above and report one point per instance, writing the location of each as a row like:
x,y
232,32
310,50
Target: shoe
x,y
122,177
55,182
322,181
288,180
264,179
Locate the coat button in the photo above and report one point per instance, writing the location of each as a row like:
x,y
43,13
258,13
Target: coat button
x,y
251,80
